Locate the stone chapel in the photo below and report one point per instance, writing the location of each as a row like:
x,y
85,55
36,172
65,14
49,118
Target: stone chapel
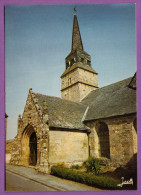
x,y
85,121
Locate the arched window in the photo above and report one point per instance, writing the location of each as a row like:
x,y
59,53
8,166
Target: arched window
x,y
103,140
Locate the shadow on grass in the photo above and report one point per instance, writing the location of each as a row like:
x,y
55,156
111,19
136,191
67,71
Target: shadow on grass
x,y
128,171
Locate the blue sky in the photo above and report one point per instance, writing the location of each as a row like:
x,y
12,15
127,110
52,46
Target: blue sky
x,y
38,38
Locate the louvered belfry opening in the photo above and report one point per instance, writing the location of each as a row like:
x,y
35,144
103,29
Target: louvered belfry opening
x,y
33,149
103,144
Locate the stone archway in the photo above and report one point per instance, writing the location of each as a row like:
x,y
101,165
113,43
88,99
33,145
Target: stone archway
x,y
103,140
29,147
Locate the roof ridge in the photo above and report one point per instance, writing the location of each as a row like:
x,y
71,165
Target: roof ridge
x,y
47,95
79,103
104,87
78,65
114,83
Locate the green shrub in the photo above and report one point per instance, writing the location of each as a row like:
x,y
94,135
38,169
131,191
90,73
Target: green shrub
x,y
92,165
75,167
85,178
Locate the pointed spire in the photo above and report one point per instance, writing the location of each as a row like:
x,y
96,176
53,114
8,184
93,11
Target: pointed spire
x,y
74,11
76,36
77,54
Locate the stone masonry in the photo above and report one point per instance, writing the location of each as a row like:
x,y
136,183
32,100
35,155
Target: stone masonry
x,y
122,139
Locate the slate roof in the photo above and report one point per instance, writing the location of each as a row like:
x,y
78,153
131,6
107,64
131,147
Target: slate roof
x,y
63,113
132,83
112,100
79,65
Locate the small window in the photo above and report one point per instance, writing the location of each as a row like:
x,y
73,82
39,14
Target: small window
x,y
89,62
72,61
82,60
67,65
69,81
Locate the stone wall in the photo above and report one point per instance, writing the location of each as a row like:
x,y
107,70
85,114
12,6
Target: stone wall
x,y
69,79
88,77
68,147
72,93
85,90
122,138
8,145
8,150
77,84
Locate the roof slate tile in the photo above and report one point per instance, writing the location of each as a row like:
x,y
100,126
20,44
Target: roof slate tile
x,y
112,100
62,113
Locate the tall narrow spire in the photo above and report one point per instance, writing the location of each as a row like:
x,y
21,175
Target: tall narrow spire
x,y
76,36
77,54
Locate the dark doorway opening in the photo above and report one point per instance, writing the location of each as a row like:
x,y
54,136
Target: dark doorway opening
x,y
33,149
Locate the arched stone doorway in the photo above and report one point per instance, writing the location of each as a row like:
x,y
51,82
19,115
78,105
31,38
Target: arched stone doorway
x,y
103,140
29,147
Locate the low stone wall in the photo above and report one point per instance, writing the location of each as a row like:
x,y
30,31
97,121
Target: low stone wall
x,y
8,150
7,158
67,147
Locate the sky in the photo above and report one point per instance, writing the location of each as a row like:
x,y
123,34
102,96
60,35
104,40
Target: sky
x,y
38,38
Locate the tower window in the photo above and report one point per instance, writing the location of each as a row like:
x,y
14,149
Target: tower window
x,y
69,81
82,60
72,61
67,64
89,62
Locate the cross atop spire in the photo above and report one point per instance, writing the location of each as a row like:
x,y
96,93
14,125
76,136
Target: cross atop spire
x,y
76,36
74,10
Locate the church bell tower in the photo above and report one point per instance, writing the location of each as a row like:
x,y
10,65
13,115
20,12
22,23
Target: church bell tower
x,y
79,78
